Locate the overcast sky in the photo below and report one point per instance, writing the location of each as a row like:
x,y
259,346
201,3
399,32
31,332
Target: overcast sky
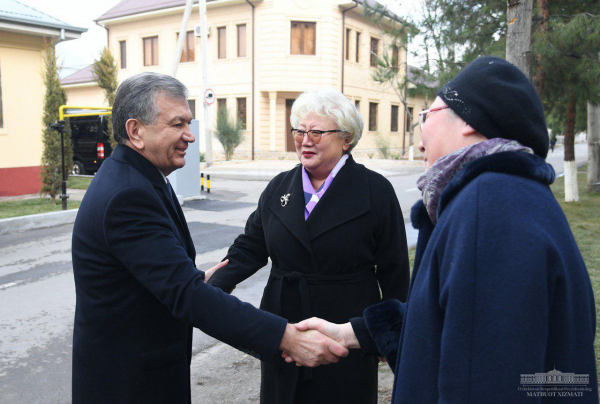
x,y
77,54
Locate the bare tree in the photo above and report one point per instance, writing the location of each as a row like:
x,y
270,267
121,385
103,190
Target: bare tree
x,y
518,34
593,132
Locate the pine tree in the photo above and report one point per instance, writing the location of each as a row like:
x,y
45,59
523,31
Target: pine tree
x,y
51,156
105,73
569,58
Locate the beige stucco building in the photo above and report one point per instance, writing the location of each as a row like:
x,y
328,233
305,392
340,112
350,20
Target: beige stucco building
x,y
294,45
23,32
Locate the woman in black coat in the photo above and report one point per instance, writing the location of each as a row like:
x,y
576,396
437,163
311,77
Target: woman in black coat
x,y
335,235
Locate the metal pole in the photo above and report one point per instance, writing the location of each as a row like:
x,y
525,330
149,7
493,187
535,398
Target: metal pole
x,y
182,37
64,195
205,55
253,80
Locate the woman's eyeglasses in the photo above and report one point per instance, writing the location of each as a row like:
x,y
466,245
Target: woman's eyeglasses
x,y
313,135
423,114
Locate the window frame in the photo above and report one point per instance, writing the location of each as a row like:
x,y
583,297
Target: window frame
x,y
408,121
243,118
245,47
151,38
224,48
302,38
189,35
192,102
357,47
392,116
373,128
373,57
123,54
223,106
347,45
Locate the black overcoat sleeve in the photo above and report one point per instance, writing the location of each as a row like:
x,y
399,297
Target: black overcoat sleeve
x,y
140,235
247,254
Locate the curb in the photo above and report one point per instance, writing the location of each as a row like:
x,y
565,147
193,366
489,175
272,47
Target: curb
x,y
38,221
51,219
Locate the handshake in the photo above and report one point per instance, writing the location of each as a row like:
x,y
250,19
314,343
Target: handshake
x,y
315,342
311,342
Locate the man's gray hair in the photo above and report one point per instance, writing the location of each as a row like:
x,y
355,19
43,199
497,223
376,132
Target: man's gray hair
x,y
136,99
332,104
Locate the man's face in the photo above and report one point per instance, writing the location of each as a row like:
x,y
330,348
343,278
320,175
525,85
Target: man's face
x,y
441,134
165,142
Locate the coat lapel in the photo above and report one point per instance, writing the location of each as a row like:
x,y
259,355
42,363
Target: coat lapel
x,y
191,250
291,213
346,199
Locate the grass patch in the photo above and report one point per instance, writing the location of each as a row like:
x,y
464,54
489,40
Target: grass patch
x,y
78,182
23,207
584,219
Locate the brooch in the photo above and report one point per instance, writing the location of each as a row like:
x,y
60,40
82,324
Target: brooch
x,y
285,199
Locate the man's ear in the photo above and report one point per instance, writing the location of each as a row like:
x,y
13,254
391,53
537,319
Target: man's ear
x,y
134,127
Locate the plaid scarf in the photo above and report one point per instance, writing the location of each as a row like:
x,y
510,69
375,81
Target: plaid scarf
x,y
433,181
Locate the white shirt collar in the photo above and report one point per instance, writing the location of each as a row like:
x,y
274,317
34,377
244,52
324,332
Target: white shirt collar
x,y
164,177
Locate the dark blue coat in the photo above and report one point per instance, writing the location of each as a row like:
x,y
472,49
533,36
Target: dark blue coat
x,y
499,290
139,293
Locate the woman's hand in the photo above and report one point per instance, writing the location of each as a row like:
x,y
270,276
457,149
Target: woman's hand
x,y
214,269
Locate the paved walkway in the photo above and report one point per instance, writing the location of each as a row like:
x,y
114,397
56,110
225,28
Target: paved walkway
x,y
267,169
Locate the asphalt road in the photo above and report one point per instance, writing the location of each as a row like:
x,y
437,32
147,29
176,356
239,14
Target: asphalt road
x,y
37,293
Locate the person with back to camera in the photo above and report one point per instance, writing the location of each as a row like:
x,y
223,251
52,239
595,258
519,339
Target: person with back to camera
x,y
501,307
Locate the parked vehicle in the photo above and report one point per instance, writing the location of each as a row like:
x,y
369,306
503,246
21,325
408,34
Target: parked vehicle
x,y
91,145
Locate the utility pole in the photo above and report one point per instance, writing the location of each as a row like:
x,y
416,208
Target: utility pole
x,y
182,37
518,34
593,135
205,56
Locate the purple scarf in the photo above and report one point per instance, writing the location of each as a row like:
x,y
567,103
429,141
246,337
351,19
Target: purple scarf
x,y
433,181
312,197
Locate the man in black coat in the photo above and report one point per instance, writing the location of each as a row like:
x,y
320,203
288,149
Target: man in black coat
x,y
138,290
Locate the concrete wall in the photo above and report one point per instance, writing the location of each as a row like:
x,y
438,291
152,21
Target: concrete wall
x,y
85,95
21,70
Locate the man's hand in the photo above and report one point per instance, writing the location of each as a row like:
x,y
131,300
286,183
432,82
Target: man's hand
x,y
310,348
214,269
342,333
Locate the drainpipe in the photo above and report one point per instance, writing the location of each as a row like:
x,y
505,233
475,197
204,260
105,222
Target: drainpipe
x,y
253,79
344,39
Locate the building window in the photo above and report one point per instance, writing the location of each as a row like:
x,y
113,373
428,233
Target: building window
x,y
394,125
374,51
357,47
188,52
192,105
221,105
241,40
372,116
409,118
222,38
348,32
395,56
151,51
303,38
123,49
357,104
241,111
